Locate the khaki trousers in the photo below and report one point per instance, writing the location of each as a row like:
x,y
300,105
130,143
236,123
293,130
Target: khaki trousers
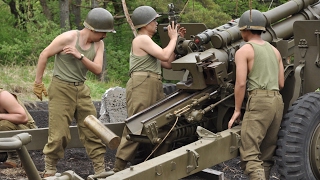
x,y
142,91
259,129
6,125
68,101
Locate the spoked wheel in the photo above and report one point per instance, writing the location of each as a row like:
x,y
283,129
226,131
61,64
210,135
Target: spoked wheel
x,y
298,153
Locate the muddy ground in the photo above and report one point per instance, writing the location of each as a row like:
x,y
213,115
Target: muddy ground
x,y
76,159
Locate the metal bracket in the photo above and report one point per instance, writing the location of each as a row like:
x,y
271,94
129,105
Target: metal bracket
x,y
317,33
193,158
159,170
236,138
204,133
298,81
152,132
303,47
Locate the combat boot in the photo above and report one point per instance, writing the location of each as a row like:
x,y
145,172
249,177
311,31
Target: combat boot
x,y
50,167
119,165
12,161
267,172
258,174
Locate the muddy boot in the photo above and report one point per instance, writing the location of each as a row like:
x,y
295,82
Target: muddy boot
x,y
102,175
50,168
98,164
267,172
258,174
13,161
119,165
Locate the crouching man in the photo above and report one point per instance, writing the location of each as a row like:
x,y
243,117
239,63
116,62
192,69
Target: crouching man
x,y
13,116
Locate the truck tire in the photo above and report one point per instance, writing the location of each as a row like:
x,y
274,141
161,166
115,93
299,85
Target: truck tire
x,y
299,140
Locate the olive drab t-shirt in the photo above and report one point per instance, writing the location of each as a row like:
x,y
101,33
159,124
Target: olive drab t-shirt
x,y
69,68
144,63
265,70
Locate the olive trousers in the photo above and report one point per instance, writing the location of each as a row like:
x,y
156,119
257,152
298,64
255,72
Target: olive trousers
x,y
68,101
259,130
6,125
142,91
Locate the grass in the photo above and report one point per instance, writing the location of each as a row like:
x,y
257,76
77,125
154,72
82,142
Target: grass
x,y
20,79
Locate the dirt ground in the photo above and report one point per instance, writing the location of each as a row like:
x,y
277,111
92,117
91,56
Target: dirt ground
x,y
76,159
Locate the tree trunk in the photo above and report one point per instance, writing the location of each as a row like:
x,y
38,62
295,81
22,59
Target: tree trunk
x,y
46,10
19,12
94,3
77,14
64,15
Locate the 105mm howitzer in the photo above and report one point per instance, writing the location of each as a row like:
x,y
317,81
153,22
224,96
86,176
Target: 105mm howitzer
x,y
187,131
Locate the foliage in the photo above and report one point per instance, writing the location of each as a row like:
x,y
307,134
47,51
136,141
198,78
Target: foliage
x,y
22,45
22,40
235,8
206,12
200,11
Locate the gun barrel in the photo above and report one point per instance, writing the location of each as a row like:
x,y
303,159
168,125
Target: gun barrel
x,y
290,11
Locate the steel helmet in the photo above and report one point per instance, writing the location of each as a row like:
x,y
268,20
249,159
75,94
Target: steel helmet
x,y
99,20
143,15
252,20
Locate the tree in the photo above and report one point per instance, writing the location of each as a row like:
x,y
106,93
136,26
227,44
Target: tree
x,y
64,15
46,10
77,13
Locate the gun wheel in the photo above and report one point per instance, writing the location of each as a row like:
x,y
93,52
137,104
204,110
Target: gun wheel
x,y
298,153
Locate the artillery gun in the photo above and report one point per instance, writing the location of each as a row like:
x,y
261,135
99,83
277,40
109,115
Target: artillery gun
x,y
186,132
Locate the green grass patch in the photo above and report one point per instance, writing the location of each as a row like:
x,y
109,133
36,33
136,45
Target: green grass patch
x,y
20,79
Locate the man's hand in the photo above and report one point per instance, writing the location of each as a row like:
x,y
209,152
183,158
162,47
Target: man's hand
x,y
72,50
182,31
38,89
235,118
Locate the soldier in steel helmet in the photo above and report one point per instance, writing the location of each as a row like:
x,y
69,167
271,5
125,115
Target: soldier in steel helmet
x,y
144,87
260,72
76,52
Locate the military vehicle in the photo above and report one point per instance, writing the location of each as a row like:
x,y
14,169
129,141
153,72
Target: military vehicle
x,y
186,132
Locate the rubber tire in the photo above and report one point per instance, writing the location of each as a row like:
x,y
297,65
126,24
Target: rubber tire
x,y
298,127
3,156
169,88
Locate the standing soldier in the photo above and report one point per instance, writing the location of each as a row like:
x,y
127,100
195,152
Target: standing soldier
x,y
144,87
75,53
259,68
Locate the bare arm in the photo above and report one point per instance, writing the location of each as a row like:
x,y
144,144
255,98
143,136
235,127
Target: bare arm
x,y
54,47
143,44
11,110
95,66
281,69
182,31
241,60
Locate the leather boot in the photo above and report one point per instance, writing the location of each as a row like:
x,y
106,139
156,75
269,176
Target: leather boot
x,y
267,172
13,161
50,167
119,165
258,174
